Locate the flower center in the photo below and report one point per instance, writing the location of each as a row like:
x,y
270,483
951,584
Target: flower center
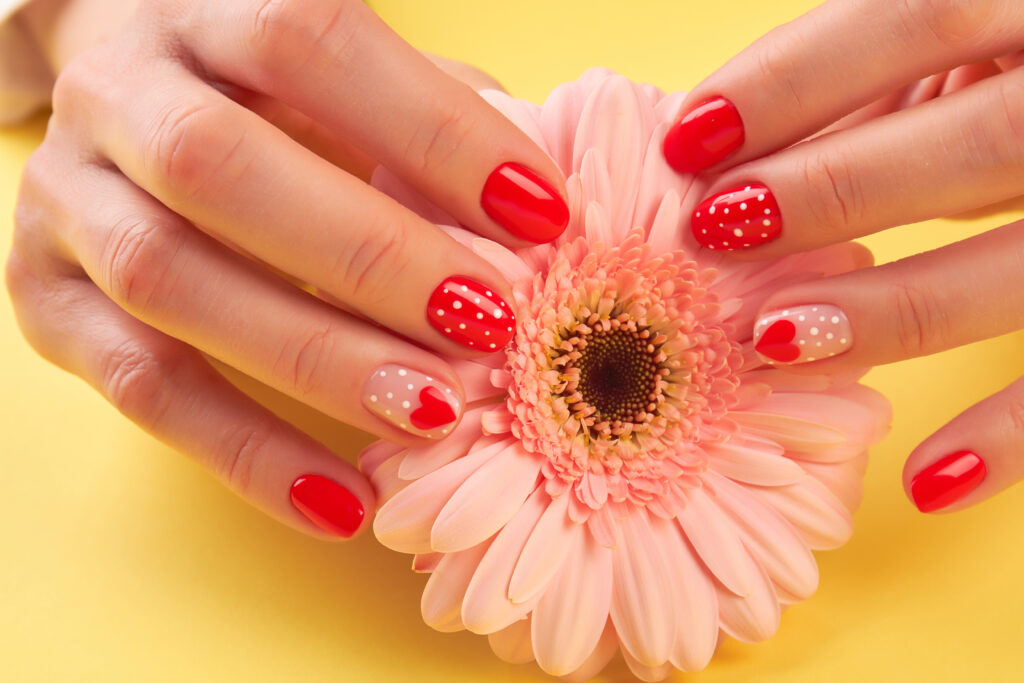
x,y
614,370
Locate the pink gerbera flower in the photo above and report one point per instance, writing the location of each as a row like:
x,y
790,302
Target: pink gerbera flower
x,y
628,476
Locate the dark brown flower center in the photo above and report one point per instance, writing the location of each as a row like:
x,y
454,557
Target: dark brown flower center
x,y
614,371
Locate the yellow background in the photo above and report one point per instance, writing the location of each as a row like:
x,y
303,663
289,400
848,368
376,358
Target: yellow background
x,y
122,561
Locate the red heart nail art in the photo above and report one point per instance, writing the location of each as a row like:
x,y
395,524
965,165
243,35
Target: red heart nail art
x,y
433,412
775,342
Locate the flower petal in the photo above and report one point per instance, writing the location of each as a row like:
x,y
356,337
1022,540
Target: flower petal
x,y
385,480
606,648
425,563
441,603
714,537
487,608
508,263
496,421
467,436
664,228
375,454
560,115
819,516
773,541
486,500
545,552
523,113
572,613
753,618
754,460
403,523
696,601
843,479
512,643
641,610
649,674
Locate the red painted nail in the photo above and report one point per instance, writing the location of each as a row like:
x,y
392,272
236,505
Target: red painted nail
x,y
471,314
739,218
776,342
707,134
524,203
944,482
329,505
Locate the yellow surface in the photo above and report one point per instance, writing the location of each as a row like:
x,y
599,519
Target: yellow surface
x,y
122,561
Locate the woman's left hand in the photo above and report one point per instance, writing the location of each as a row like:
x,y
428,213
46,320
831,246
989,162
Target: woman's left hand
x,y
894,152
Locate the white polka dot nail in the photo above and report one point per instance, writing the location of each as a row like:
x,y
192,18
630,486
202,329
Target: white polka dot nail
x,y
801,334
411,400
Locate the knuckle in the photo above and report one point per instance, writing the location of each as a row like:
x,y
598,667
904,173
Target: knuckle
x,y
836,197
920,319
188,144
236,460
1005,140
370,268
287,36
776,67
138,260
435,143
133,379
307,359
950,22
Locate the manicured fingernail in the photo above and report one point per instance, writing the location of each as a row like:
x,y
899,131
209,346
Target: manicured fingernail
x,y
412,401
524,203
944,482
739,218
328,504
471,314
801,334
707,134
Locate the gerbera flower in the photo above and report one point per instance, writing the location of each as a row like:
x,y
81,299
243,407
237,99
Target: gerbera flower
x,y
628,476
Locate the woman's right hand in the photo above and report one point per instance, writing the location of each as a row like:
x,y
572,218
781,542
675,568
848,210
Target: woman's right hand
x,y
205,143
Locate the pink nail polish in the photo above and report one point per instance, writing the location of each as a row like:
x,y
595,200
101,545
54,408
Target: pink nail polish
x,y
410,400
948,480
801,334
471,314
740,218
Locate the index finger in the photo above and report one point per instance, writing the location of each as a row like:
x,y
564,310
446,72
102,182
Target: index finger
x,y
340,64
837,58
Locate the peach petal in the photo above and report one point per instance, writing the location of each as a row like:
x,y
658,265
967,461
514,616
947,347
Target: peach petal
x,y
643,618
606,648
404,522
816,513
715,538
441,603
570,617
545,551
486,500
512,643
752,618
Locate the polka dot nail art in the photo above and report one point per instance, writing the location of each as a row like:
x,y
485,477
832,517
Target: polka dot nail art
x,y
410,400
471,314
802,334
740,218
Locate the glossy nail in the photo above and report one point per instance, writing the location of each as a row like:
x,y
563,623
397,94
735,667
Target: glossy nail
x,y
946,481
412,401
801,334
524,203
739,218
708,133
471,314
328,504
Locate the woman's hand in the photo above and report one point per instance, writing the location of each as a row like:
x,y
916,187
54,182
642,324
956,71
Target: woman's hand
x,y
837,69
193,169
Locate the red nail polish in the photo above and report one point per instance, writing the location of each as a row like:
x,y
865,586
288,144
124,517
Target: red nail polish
x,y
471,314
707,134
739,218
946,481
329,505
524,203
776,342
